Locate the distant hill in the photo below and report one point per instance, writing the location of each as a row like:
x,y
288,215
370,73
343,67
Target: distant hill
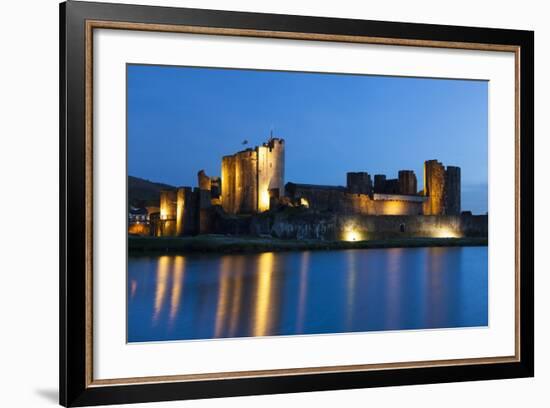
x,y
143,192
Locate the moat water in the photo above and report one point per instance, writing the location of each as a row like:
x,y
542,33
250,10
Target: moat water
x,y
287,293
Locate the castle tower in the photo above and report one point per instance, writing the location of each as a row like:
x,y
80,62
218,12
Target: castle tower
x,y
379,183
434,186
271,171
228,184
205,203
452,190
204,181
442,186
205,197
186,211
240,182
359,182
249,176
407,182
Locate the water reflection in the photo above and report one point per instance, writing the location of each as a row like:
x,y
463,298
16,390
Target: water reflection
x,y
211,296
264,310
302,292
162,282
179,272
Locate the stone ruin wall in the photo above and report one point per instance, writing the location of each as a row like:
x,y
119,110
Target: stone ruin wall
x,y
179,213
168,210
338,226
339,200
436,226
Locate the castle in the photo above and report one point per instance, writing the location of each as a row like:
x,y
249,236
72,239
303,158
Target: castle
x,y
252,183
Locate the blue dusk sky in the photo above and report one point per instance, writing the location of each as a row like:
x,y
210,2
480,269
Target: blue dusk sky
x,y
182,120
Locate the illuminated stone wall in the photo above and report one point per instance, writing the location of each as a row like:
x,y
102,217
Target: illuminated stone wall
x,y
204,181
397,206
442,187
246,185
182,197
249,176
440,226
434,186
318,198
339,200
364,227
187,211
239,182
271,171
382,204
168,211
179,213
228,184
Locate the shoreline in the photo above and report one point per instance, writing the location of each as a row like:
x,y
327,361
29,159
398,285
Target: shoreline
x,y
246,244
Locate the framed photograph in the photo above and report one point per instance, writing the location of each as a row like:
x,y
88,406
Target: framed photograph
x,y
256,203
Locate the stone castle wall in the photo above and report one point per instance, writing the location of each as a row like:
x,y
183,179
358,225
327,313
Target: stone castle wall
x,y
338,199
318,198
168,211
179,213
361,227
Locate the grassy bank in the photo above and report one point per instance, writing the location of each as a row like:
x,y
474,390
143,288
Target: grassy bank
x,y
232,244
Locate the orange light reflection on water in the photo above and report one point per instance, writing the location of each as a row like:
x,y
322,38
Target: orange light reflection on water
x,y
223,295
163,270
177,285
262,321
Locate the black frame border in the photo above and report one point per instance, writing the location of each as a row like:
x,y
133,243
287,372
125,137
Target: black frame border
x,y
72,329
